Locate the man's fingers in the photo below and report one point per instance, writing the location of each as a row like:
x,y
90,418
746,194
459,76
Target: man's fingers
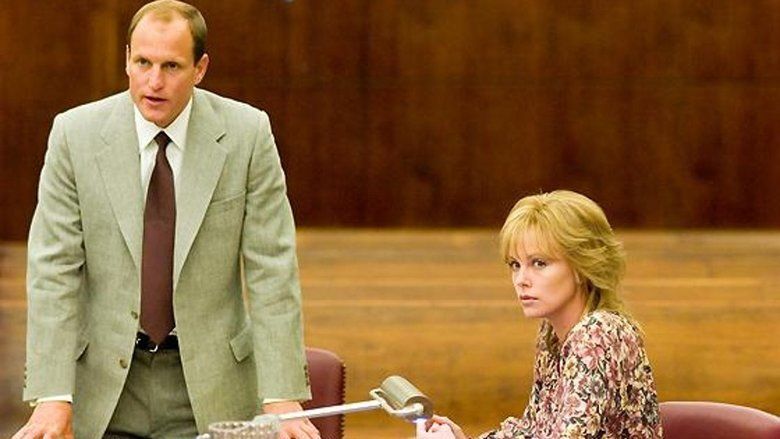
x,y
311,430
29,432
33,432
305,432
20,434
300,430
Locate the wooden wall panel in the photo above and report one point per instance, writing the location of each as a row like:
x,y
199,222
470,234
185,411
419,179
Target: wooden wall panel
x,y
444,112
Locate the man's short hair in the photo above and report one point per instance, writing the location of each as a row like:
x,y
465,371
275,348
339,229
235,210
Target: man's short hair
x,y
165,10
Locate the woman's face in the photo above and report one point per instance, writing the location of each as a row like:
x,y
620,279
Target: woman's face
x,y
546,285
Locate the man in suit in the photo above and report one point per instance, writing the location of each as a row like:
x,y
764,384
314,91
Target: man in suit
x,y
138,250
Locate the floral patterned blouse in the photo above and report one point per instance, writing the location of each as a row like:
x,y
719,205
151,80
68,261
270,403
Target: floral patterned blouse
x,y
599,384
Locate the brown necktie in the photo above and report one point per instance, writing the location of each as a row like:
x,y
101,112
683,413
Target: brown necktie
x,y
157,260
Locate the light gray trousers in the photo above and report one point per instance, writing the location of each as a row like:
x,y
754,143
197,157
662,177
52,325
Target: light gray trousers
x,y
154,402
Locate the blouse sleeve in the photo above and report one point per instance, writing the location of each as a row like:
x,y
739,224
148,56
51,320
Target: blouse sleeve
x,y
584,382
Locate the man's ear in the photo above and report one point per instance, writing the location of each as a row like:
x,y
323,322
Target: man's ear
x,y
127,59
200,68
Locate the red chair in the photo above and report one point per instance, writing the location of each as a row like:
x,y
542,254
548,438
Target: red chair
x,y
327,378
714,420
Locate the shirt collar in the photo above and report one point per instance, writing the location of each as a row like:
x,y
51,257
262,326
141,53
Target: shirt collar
x,y
177,130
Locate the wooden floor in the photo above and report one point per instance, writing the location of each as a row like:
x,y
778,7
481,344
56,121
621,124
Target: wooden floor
x,y
437,307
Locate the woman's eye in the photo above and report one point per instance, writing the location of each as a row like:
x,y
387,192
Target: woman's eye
x,y
513,265
538,263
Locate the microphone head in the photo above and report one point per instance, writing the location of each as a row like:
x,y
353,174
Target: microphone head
x,y
400,393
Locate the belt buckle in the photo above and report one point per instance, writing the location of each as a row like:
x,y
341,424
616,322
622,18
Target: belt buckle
x,y
146,347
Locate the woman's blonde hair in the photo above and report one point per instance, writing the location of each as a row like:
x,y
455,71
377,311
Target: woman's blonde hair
x,y
572,226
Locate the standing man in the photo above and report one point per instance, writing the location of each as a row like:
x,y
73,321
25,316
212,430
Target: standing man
x,y
153,204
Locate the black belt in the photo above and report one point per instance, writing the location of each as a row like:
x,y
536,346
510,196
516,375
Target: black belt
x,y
144,343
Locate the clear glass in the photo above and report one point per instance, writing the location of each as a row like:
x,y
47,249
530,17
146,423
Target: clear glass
x,y
262,427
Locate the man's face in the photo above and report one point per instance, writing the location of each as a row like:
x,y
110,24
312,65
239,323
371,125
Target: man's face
x,y
161,69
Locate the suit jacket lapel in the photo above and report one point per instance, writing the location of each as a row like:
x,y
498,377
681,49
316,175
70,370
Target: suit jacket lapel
x,y
201,168
119,164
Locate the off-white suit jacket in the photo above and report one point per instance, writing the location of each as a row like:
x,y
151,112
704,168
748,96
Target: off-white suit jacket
x,y
233,219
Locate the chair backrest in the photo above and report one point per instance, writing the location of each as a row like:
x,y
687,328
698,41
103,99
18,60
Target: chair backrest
x,y
713,420
327,378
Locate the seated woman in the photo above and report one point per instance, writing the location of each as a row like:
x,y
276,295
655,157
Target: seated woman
x,y
592,378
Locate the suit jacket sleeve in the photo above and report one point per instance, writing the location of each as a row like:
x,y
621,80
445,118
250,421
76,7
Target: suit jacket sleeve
x,y
54,276
271,275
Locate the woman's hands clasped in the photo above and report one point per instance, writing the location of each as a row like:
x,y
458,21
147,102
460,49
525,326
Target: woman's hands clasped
x,y
439,427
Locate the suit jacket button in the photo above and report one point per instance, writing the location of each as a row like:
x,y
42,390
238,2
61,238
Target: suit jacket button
x,y
134,315
123,363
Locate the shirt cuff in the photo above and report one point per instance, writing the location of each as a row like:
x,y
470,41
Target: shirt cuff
x,y
60,398
273,400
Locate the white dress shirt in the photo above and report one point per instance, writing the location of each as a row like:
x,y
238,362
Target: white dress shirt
x,y
177,131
